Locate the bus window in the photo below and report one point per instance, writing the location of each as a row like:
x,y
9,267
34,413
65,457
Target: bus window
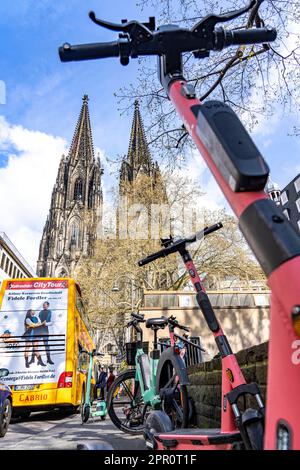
x,y
81,309
83,359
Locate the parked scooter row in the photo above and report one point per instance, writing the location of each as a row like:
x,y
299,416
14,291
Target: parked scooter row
x,y
239,428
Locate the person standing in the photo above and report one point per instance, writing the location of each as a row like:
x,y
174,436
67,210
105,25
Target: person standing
x,y
101,382
45,317
110,379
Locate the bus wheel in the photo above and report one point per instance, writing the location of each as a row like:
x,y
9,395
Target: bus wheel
x,y
23,415
68,410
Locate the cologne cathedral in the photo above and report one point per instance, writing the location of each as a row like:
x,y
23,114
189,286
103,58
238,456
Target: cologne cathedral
x,y
76,204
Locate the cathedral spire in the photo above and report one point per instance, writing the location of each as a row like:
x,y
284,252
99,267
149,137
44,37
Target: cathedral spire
x,y
71,227
138,156
82,143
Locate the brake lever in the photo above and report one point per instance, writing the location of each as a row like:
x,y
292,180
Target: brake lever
x,y
165,242
208,23
133,28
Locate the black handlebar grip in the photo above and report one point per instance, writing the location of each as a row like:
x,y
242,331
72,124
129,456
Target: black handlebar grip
x,y
212,228
241,37
68,53
153,257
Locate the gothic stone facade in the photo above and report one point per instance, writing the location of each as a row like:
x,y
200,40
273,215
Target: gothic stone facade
x,y
138,160
76,202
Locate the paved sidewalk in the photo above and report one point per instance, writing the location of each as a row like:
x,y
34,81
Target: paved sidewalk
x,y
49,430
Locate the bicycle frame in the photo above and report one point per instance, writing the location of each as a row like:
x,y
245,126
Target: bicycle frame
x,y
282,416
142,375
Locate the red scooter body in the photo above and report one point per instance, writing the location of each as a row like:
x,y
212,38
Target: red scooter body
x,y
283,373
232,377
273,240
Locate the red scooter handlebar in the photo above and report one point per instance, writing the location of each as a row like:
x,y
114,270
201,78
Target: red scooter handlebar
x,y
176,245
100,50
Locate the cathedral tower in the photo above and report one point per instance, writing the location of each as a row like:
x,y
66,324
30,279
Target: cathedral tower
x,y
138,161
76,202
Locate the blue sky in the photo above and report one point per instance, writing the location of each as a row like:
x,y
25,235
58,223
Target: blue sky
x,y
44,94
43,100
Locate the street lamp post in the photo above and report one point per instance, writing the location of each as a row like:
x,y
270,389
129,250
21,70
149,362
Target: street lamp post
x,y
117,289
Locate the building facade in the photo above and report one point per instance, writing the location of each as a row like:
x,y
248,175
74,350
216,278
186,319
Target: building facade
x,y
12,263
288,199
290,202
273,191
71,226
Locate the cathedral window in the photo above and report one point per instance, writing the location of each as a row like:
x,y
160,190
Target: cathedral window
x,y
74,232
78,190
90,198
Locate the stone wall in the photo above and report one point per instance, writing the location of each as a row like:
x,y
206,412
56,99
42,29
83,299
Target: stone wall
x,y
205,380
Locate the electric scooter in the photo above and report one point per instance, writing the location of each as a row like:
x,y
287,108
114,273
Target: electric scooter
x,y
241,172
88,409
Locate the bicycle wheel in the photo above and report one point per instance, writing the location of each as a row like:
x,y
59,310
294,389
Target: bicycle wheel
x,y
174,396
125,404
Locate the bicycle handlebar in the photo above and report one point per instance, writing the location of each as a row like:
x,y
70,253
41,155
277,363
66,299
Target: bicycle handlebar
x,y
172,246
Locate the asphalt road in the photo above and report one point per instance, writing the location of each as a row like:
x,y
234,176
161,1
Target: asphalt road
x,y
49,430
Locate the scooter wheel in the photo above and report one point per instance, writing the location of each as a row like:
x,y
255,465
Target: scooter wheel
x,y
102,418
157,421
85,414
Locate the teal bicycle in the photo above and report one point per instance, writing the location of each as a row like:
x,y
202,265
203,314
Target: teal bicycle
x,y
156,381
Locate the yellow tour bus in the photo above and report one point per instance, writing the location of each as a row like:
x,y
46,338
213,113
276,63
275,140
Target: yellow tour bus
x,y
43,336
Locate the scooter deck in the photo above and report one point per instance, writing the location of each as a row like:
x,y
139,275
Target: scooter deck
x,y
198,437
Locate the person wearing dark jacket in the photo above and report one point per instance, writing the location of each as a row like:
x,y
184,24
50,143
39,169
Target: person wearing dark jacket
x,y
101,382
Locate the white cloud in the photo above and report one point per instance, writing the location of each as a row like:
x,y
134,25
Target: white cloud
x,y
26,183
